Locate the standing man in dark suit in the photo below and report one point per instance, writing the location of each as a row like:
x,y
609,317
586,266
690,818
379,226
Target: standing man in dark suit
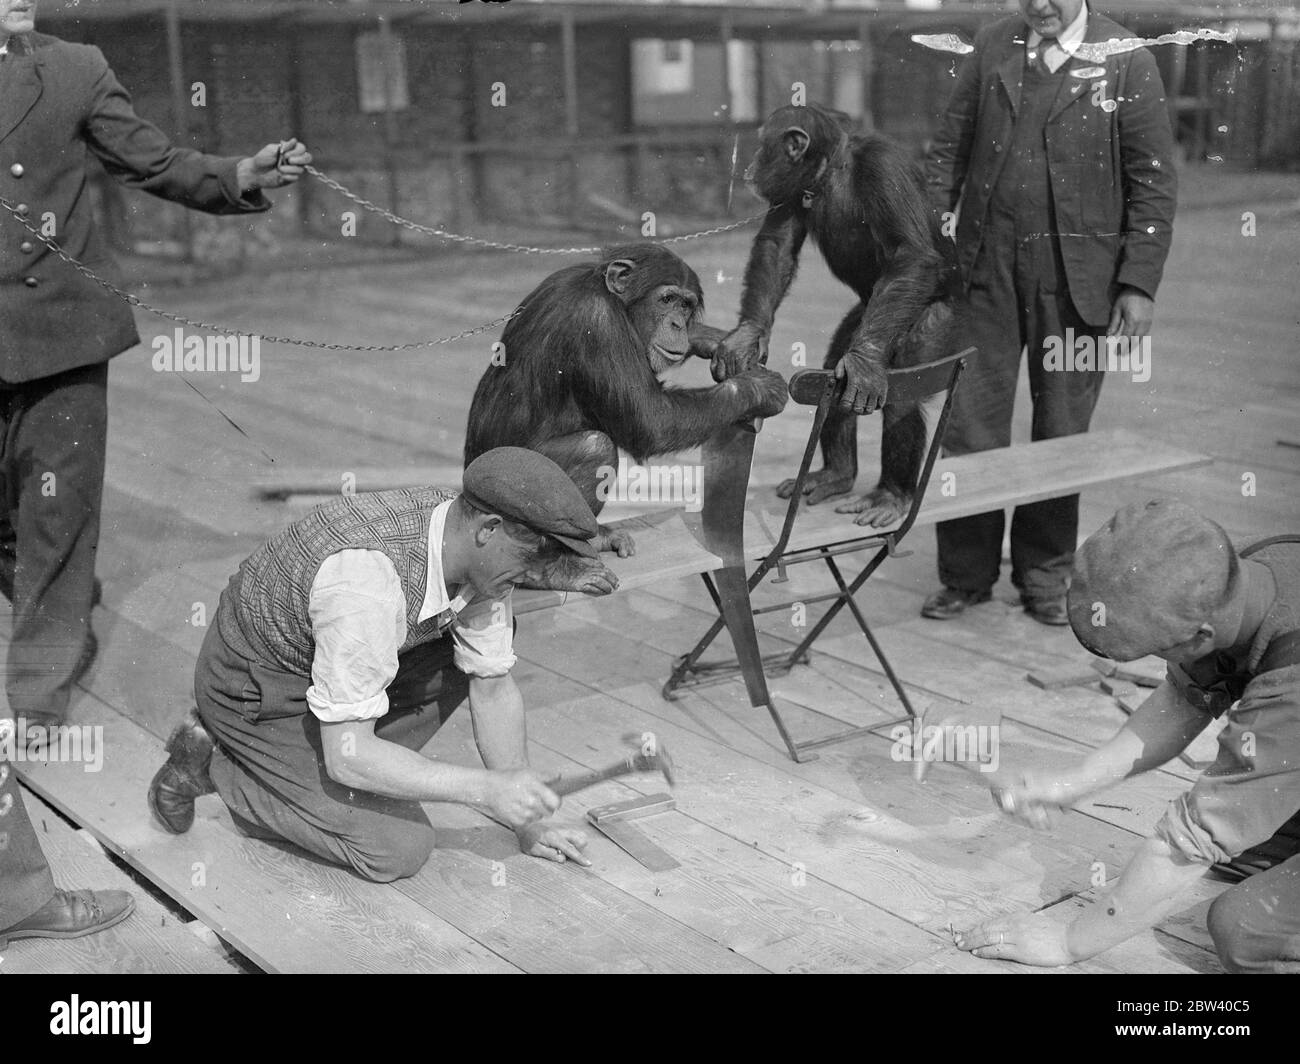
x,y
1058,147
58,329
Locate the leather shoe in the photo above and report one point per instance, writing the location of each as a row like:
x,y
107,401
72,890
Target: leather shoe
x,y
184,777
1047,611
949,602
71,914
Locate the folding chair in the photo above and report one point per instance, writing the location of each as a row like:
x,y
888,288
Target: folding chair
x,y
822,389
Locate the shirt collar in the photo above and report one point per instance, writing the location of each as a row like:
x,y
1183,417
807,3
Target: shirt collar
x,y
1071,37
16,44
436,599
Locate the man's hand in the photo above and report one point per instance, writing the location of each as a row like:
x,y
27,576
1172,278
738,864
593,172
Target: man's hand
x,y
541,839
519,797
274,166
745,347
1027,938
1132,314
868,383
1034,797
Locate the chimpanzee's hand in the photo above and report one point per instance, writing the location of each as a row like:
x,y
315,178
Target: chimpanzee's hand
x,y
742,348
768,390
868,382
569,572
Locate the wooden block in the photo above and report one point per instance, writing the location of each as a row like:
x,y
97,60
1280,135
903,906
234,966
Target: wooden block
x,y
1130,700
1065,676
1119,688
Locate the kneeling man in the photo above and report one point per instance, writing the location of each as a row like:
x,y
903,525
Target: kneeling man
x,y
341,646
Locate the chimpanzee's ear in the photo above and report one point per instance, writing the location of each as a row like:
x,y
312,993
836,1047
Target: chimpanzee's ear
x,y
618,275
796,142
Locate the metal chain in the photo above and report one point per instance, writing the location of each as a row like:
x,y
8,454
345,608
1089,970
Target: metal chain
x,y
443,234
365,204
208,326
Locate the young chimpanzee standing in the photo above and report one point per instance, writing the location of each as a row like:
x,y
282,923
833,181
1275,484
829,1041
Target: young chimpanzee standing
x,y
579,377
864,203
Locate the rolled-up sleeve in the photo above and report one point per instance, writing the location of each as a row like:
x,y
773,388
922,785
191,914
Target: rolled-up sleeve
x,y
484,636
1253,787
358,619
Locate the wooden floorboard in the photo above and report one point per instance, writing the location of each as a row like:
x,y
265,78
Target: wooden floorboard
x,y
150,940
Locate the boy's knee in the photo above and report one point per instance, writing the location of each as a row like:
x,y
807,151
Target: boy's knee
x,y
1231,922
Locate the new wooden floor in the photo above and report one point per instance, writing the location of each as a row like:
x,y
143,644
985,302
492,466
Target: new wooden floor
x,y
843,864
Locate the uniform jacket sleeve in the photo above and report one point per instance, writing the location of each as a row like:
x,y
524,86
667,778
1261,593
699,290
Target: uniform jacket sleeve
x,y
139,155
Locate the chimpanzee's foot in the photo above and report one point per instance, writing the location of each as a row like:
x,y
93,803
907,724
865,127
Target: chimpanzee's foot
x,y
569,572
821,484
617,541
878,508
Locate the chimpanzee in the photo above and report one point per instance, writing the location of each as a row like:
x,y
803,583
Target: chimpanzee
x,y
864,203
579,376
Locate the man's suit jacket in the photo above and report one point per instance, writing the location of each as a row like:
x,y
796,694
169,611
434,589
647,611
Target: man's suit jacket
x,y
1112,170
58,100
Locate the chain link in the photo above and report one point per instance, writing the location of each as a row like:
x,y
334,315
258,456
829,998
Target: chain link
x,y
365,204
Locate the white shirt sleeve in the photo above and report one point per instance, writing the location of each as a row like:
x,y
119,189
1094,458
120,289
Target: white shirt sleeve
x,y
358,619
484,634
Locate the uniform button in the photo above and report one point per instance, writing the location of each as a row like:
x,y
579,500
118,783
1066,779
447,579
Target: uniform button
x,y
21,210
16,169
997,147
26,247
30,282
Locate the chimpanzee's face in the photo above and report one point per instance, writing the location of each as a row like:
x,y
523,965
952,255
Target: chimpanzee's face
x,y
1049,18
662,318
780,169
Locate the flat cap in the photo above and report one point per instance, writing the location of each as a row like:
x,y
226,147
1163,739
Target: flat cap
x,y
529,488
1148,578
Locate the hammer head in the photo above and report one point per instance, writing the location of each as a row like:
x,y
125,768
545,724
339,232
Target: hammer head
x,y
652,756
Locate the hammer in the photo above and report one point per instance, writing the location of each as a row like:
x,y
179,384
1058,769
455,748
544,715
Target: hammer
x,y
659,761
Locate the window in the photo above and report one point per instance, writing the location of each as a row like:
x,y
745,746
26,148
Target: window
x,y
373,64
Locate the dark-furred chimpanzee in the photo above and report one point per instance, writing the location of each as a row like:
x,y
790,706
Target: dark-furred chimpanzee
x,y
864,203
578,378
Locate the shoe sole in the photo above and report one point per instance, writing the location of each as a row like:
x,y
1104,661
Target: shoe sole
x,y
948,615
158,817
92,930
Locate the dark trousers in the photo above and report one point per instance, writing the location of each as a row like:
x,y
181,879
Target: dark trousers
x,y
52,438
268,765
1018,299
25,881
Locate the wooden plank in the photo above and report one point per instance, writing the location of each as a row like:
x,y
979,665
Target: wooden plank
x,y
285,912
990,480
150,941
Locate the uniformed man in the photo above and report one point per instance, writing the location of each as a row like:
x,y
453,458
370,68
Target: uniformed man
x,y
1161,579
342,645
58,329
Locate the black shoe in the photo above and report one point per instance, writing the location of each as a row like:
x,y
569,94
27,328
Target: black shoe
x,y
949,602
1049,611
184,777
71,914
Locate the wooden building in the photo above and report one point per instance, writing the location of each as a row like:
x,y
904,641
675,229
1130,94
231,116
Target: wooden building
x,y
582,112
